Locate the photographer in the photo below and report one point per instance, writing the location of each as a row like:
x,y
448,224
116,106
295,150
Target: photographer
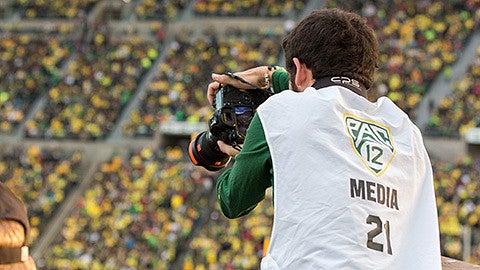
x,y
352,181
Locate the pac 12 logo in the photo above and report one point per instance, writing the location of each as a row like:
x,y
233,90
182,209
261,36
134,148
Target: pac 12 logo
x,y
372,142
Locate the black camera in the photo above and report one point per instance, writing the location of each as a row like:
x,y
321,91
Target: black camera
x,y
234,110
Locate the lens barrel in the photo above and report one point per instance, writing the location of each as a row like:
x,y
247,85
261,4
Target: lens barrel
x,y
203,151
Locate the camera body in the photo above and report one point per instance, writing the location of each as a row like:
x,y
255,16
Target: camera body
x,y
234,110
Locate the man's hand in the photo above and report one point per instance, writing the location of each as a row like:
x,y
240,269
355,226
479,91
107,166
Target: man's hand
x,y
227,149
254,76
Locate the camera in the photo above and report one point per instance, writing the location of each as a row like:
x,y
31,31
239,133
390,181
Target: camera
x,y
234,110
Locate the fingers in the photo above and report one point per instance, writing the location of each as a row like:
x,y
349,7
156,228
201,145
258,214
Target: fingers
x,y
219,80
211,90
223,79
227,149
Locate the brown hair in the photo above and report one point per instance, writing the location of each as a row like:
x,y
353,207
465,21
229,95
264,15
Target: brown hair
x,y
333,42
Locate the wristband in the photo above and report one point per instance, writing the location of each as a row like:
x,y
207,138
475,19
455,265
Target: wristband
x,y
10,255
275,68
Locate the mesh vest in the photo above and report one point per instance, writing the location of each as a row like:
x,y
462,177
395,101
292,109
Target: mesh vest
x,y
353,184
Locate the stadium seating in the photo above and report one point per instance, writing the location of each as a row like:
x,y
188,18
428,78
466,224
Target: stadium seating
x,y
42,177
136,214
160,10
30,9
459,111
251,8
29,65
97,86
457,191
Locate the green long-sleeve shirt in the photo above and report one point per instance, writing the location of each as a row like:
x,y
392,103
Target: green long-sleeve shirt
x,y
241,187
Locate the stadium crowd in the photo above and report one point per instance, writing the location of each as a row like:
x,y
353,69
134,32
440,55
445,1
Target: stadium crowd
x,y
154,197
163,10
136,214
458,195
251,8
42,177
459,111
98,84
31,9
29,64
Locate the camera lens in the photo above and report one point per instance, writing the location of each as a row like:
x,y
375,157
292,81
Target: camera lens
x,y
203,151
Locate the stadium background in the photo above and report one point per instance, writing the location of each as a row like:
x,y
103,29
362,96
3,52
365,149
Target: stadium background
x,y
99,98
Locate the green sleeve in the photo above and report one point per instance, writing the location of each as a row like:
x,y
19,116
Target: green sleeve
x,y
241,187
280,80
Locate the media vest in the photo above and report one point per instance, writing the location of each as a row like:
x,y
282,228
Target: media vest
x,y
353,184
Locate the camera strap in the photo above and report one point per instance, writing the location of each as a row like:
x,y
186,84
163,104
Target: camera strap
x,y
243,80
346,82
268,88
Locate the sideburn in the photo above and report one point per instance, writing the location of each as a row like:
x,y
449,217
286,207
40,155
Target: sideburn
x,y
293,86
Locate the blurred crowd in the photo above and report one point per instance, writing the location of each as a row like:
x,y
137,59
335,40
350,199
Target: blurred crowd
x,y
459,111
250,8
42,177
144,209
458,195
164,10
86,103
136,214
32,9
29,65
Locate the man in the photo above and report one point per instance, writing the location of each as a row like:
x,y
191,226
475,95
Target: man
x,y
14,230
352,181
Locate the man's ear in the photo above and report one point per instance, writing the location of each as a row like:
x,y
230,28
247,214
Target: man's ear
x,y
303,76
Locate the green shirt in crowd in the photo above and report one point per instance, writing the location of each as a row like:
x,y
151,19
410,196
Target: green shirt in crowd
x,y
241,187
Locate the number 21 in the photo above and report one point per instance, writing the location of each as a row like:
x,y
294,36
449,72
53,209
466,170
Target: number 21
x,y
376,231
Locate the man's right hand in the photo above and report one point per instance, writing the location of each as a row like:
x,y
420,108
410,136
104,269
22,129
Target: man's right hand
x,y
227,149
254,76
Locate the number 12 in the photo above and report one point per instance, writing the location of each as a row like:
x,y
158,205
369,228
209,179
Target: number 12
x,y
376,231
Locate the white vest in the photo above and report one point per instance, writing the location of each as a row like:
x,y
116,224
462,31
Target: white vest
x,y
353,184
